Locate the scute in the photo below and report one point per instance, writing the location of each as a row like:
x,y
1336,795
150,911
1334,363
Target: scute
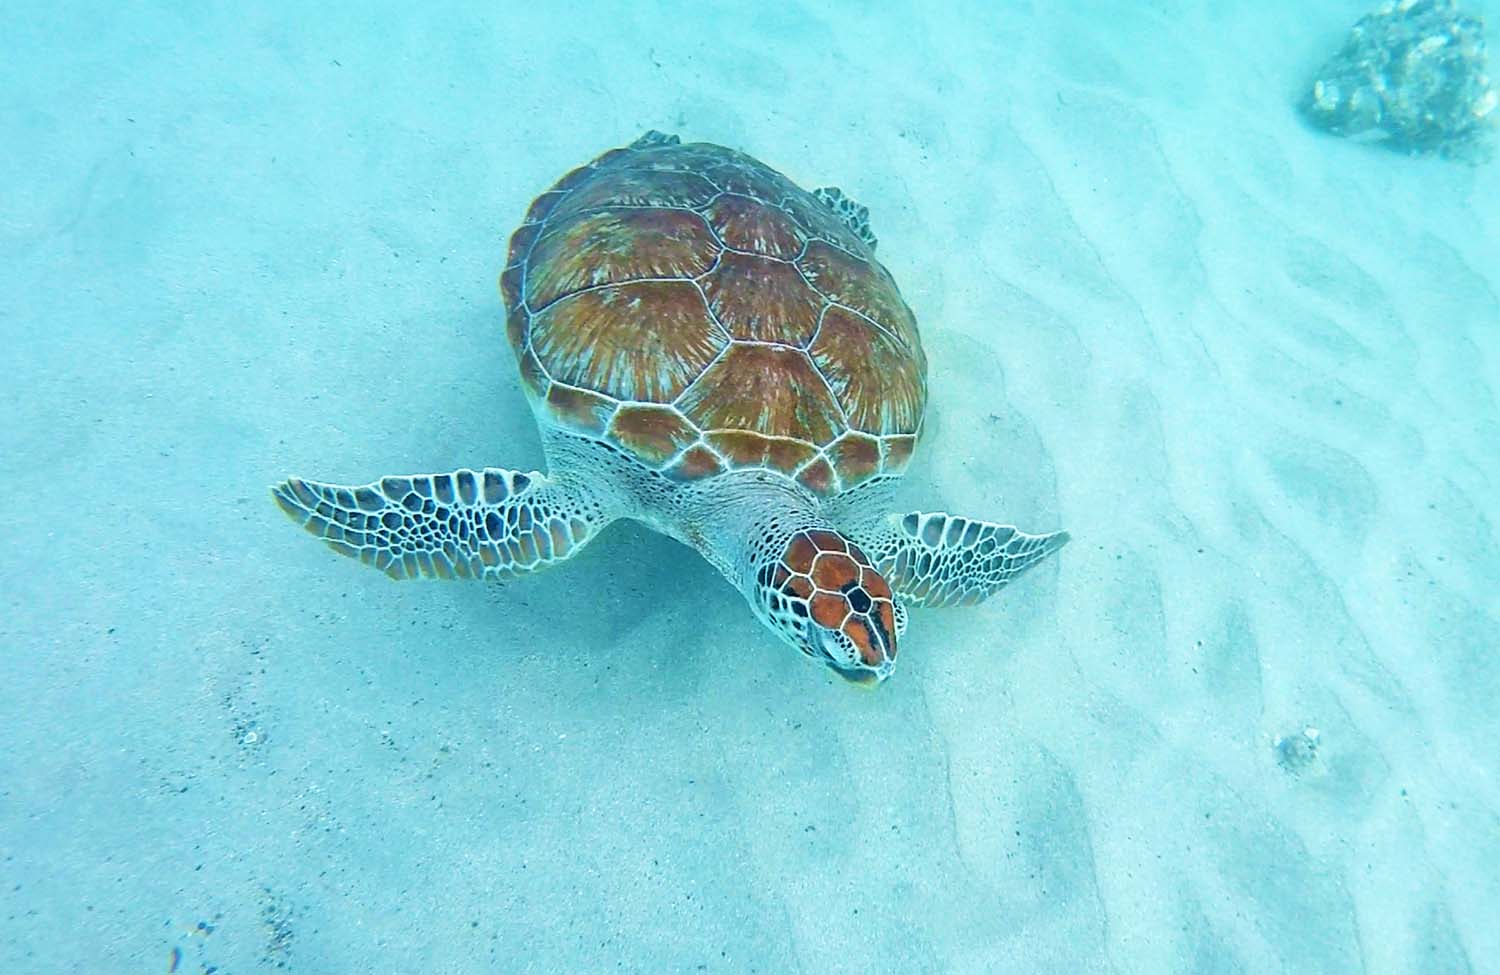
x,y
856,457
652,188
613,246
594,339
579,409
743,449
862,286
742,175
762,299
696,309
653,433
747,224
767,389
877,381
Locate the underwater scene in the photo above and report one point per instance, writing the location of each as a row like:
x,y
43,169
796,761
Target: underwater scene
x,y
1028,476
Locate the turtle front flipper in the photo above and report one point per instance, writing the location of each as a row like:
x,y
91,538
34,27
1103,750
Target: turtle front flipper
x,y
934,559
489,524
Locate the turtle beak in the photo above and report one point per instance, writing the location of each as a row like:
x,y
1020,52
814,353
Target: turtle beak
x,y
863,676
876,648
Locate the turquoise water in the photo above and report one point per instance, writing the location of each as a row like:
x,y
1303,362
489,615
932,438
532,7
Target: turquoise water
x,y
1245,722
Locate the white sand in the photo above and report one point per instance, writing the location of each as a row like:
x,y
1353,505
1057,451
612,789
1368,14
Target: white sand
x,y
1251,368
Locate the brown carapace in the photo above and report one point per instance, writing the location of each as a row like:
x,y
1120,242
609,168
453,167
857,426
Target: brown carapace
x,y
694,308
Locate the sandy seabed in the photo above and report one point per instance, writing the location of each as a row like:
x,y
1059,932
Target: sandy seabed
x,y
1245,722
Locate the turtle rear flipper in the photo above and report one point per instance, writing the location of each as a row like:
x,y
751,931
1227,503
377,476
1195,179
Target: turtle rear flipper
x,y
855,216
654,139
934,559
489,524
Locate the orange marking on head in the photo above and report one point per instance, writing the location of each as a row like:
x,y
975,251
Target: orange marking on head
x,y
829,609
887,613
875,584
865,637
844,592
834,572
827,541
800,553
799,586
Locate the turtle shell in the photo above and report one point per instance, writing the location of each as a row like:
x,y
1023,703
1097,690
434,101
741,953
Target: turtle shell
x,y
696,309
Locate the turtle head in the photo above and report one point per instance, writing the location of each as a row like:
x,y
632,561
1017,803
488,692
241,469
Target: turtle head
x,y
824,597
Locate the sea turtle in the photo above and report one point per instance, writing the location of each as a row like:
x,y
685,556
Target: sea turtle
x,y
715,353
